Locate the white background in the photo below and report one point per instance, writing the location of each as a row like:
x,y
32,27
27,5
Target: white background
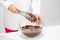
x,y
50,11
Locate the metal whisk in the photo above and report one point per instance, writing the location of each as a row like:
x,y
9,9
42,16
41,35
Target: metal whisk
x,y
27,15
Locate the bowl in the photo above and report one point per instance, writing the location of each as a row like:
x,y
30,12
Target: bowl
x,y
30,30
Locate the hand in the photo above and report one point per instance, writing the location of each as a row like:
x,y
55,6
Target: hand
x,y
39,21
13,9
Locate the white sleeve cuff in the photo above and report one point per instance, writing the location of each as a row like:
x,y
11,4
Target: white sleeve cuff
x,y
6,4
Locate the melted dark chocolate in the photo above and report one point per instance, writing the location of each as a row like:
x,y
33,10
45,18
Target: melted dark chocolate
x,y
31,33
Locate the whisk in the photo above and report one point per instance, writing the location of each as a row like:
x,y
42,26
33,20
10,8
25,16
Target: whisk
x,y
27,15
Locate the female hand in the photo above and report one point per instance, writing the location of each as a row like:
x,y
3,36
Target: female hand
x,y
13,9
38,17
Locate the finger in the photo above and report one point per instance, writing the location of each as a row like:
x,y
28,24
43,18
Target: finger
x,y
16,11
38,20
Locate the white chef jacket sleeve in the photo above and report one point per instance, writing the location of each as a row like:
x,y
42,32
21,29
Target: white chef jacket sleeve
x,y
5,4
36,6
